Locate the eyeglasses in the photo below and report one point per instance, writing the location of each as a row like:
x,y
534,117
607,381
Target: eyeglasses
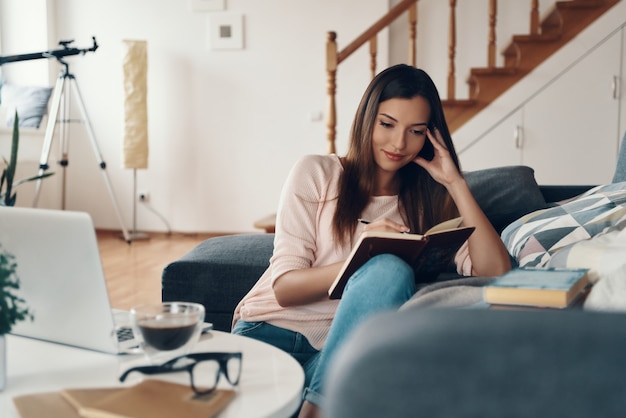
x,y
204,369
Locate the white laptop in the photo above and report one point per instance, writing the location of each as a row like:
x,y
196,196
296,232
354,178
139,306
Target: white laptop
x,y
61,278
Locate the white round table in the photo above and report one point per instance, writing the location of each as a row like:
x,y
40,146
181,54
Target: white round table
x,y
270,386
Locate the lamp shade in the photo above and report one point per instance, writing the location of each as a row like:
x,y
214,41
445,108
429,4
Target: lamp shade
x,y
135,66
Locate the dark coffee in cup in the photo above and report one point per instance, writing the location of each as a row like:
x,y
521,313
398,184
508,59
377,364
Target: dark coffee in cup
x,y
166,329
165,337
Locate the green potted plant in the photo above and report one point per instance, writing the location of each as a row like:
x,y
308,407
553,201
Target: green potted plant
x,y
7,181
12,307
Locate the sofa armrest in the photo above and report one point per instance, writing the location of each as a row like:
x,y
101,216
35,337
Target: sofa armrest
x,y
556,193
481,363
217,273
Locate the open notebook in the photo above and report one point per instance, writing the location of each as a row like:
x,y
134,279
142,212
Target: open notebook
x,y
61,278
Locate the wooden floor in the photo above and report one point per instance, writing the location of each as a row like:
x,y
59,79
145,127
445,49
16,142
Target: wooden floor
x,y
133,271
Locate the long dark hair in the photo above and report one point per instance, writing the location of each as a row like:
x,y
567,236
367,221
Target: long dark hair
x,y
423,202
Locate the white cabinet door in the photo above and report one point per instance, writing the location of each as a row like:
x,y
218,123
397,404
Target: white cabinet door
x,y
570,128
497,148
569,132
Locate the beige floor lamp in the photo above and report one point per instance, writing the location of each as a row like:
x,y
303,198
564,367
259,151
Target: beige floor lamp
x,y
135,146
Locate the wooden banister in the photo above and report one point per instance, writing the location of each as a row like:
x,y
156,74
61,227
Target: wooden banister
x,y
413,34
451,51
534,17
491,48
331,89
373,53
381,24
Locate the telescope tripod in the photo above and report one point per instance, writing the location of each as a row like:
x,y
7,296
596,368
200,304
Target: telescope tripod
x,y
66,83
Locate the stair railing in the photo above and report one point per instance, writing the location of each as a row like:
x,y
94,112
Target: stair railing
x,y
334,57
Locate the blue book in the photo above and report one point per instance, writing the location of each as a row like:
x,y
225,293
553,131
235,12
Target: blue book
x,y
546,288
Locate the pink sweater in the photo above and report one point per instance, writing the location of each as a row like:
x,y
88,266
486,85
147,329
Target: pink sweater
x,y
304,239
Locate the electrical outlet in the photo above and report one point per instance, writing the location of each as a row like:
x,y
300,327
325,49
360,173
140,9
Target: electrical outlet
x,y
143,196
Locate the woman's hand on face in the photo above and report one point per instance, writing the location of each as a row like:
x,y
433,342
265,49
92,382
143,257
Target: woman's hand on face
x,y
441,167
385,225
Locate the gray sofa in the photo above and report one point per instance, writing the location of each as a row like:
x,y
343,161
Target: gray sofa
x,y
219,271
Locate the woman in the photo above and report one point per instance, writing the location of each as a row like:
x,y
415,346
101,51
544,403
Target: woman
x,y
400,172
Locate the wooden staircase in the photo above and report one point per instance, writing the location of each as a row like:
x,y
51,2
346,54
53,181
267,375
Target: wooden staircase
x,y
524,53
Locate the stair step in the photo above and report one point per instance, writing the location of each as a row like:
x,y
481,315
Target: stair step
x,y
457,111
493,71
478,76
554,20
580,4
486,85
566,20
541,38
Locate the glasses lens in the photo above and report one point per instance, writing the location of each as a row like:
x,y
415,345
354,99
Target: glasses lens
x,y
205,375
233,370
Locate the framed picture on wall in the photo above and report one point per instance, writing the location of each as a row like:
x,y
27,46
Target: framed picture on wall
x,y
226,31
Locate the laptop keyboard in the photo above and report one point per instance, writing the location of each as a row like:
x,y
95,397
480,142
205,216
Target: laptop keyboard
x,y
125,334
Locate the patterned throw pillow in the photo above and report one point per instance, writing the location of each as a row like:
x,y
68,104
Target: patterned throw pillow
x,y
535,238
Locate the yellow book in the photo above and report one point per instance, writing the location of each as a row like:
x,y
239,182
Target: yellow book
x,y
545,288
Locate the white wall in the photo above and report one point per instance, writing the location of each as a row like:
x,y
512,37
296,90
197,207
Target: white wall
x,y
225,126
27,34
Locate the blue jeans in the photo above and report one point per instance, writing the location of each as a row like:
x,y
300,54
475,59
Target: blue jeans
x,y
385,282
291,342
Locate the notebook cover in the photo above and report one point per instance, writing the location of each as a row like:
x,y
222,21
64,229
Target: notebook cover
x,y
49,405
151,399
428,254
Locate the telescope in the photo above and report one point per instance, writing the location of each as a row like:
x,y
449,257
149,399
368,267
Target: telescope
x,y
59,97
56,53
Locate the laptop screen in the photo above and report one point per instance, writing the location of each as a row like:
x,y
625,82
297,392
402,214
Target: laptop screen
x,y
61,276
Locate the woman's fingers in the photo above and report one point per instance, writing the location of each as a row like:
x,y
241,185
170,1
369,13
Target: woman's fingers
x,y
436,139
385,225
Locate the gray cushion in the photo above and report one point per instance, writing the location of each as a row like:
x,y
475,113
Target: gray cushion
x,y
31,103
505,193
217,273
620,169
